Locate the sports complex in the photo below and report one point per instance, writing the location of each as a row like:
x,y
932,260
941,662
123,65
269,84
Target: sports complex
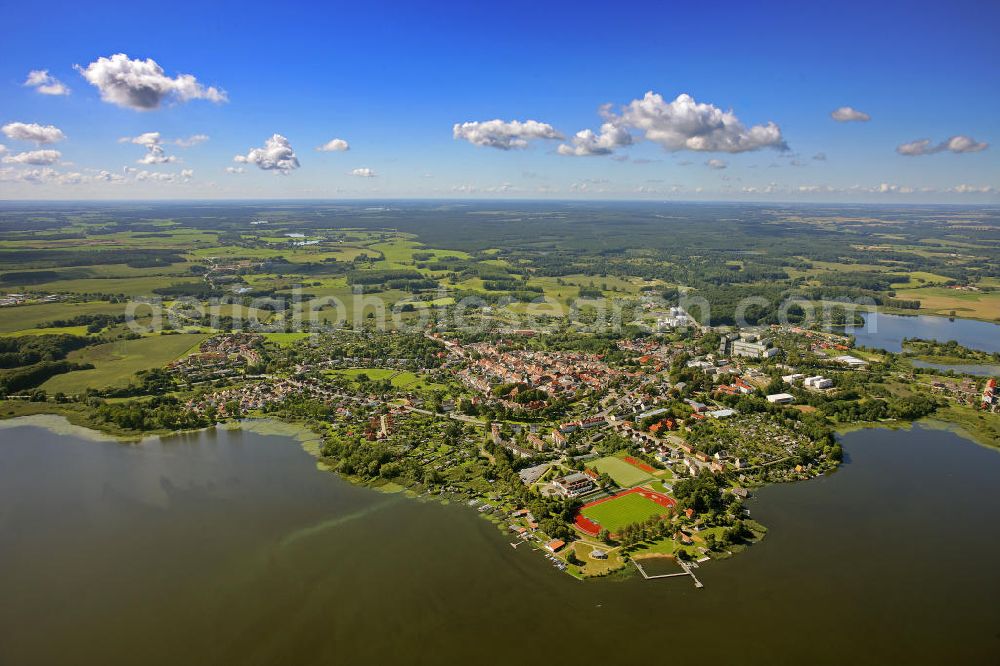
x,y
612,513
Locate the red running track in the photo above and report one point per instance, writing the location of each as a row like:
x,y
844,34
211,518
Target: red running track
x,y
638,463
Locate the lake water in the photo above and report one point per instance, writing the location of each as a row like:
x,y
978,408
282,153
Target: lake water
x,y
969,369
885,331
230,547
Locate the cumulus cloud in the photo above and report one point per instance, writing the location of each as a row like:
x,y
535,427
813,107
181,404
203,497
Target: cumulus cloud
x,y
105,176
716,164
154,176
50,176
37,157
363,172
142,84
45,83
587,142
334,146
44,175
685,124
502,134
972,189
276,155
155,153
191,141
144,139
33,132
3,149
476,189
848,114
235,170
143,176
955,144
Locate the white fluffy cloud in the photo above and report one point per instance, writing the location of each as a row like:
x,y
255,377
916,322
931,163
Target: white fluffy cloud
x,y
45,83
142,84
144,139
3,149
276,155
143,176
191,141
587,142
502,134
155,153
334,146
682,124
33,132
235,170
955,144
129,175
105,176
363,172
36,157
848,114
972,189
685,124
44,175
716,164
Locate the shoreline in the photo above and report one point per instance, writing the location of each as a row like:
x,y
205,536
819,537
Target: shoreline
x,y
929,422
311,442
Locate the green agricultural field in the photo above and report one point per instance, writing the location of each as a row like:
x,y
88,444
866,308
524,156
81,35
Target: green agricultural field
x,y
919,279
942,300
129,286
66,330
22,317
615,514
624,474
117,362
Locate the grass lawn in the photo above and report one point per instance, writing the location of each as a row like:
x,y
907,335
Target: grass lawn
x,y
115,363
595,567
665,546
659,487
615,514
286,339
401,379
624,474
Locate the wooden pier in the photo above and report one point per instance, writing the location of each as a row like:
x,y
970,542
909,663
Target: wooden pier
x,y
684,565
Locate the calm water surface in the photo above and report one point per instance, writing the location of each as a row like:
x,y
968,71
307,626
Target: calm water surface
x,y
968,369
885,331
231,548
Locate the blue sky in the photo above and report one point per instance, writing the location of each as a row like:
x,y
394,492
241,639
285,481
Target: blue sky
x,y
393,81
